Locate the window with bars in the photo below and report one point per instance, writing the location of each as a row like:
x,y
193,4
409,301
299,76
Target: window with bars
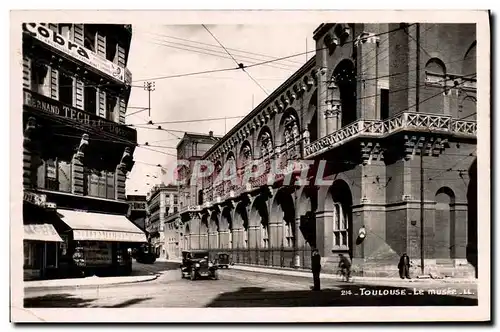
x,y
264,235
54,174
288,238
340,228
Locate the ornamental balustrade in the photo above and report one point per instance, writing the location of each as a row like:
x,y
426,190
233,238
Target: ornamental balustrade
x,y
379,128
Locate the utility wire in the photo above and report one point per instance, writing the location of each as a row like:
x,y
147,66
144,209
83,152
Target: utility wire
x,y
215,46
237,63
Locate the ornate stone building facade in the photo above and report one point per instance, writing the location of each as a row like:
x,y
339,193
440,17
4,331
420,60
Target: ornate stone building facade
x,y
77,150
383,118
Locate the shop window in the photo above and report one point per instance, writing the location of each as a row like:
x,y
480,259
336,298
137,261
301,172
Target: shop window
x,y
89,38
65,88
65,30
40,78
111,107
33,255
90,99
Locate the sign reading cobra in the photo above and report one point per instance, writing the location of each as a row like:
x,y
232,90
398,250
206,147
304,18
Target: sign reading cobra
x,y
75,50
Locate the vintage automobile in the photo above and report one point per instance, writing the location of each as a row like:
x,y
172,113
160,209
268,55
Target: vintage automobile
x,y
196,264
223,260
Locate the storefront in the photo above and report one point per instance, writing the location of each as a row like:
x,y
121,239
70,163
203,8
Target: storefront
x,y
41,245
99,243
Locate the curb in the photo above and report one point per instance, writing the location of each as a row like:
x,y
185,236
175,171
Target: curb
x,y
329,276
87,286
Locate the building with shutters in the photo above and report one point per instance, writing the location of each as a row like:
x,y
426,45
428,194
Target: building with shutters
x,y
382,120
161,201
77,150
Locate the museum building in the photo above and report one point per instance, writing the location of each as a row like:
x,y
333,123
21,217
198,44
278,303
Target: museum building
x,y
383,120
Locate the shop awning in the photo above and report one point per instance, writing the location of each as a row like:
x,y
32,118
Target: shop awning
x,y
41,232
101,227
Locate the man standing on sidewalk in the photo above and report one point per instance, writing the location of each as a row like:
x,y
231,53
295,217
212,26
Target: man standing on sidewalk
x,y
316,268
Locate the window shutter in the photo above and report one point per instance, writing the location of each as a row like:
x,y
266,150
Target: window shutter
x,y
26,72
101,45
121,56
123,109
101,102
54,83
78,34
78,94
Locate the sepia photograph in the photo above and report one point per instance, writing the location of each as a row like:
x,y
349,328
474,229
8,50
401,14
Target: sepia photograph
x,y
274,166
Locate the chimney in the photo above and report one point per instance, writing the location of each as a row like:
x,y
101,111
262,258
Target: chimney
x,y
211,133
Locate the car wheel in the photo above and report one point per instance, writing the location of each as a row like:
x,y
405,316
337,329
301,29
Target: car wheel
x,y
193,275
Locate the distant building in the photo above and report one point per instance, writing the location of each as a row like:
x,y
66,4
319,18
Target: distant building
x,y
191,148
161,201
137,210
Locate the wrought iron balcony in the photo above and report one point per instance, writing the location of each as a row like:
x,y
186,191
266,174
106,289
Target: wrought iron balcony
x,y
407,121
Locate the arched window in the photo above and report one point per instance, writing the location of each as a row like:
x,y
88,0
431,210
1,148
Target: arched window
x,y
288,237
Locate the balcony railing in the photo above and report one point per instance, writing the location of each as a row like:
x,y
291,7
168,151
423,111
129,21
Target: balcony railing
x,y
233,187
403,121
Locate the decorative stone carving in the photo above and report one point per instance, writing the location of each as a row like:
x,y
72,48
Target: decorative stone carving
x,y
126,159
84,142
366,37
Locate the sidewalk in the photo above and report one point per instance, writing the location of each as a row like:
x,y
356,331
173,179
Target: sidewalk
x,y
85,282
308,274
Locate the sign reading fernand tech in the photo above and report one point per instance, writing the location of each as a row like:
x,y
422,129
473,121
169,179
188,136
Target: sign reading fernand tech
x,y
55,108
74,50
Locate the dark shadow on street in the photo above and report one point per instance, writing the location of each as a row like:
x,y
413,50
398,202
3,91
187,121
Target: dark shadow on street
x,y
127,303
57,301
345,295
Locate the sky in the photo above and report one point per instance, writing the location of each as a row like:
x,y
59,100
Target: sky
x,y
157,51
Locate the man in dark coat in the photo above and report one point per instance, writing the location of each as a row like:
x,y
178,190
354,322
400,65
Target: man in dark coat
x,y
316,268
404,266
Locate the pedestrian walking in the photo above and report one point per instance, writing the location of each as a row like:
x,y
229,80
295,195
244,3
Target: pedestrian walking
x,y
345,266
404,266
316,269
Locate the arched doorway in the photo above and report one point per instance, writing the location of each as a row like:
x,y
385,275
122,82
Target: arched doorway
x,y
340,203
227,225
472,230
444,235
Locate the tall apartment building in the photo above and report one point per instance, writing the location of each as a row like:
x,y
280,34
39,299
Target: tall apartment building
x,y
76,150
161,201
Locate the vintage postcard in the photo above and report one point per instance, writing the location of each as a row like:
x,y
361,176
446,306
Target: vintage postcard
x,y
250,166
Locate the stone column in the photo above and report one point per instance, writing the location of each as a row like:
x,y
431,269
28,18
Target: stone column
x,y
253,236
322,97
324,232
333,112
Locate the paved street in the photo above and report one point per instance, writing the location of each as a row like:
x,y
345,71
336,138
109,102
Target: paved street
x,y
250,289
